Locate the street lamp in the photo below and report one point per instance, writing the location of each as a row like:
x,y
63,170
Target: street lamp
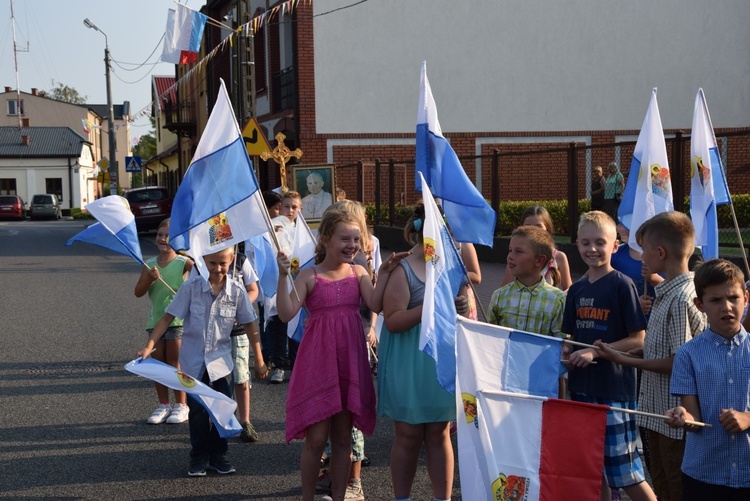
x,y
111,118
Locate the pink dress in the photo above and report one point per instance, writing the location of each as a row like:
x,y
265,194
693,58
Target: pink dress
x,y
331,372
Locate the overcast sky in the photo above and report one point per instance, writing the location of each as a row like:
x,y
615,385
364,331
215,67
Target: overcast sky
x,y
62,49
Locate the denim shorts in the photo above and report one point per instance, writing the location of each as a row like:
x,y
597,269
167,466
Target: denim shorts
x,y
171,334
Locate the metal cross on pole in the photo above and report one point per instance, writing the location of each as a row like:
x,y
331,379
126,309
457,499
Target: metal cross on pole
x,y
281,155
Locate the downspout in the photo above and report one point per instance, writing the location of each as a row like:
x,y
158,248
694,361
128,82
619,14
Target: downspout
x,y
166,168
70,185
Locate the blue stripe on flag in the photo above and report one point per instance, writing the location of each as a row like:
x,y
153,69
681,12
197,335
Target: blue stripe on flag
x,y
533,364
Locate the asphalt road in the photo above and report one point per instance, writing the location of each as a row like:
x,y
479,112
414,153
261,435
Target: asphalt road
x,y
73,421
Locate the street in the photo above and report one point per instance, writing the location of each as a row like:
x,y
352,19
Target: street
x,y
73,421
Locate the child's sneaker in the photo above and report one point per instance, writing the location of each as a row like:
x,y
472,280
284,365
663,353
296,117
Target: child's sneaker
x,y
277,376
221,465
198,466
354,490
179,414
248,433
324,482
160,414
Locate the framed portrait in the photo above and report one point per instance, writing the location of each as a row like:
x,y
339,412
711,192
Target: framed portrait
x,y
317,186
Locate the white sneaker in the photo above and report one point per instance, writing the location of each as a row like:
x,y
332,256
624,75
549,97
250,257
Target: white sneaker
x,y
160,414
179,414
354,491
277,376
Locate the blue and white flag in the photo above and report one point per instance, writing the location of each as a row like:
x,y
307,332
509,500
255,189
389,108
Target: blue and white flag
x,y
218,203
708,185
264,263
649,188
470,216
443,276
219,406
115,229
303,256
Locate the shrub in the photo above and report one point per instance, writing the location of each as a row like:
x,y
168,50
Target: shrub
x,y
77,213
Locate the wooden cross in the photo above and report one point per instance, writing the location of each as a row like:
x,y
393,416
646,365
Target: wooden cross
x,y
281,155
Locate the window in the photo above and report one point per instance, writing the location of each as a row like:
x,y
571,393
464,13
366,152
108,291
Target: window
x,y
53,185
13,107
8,187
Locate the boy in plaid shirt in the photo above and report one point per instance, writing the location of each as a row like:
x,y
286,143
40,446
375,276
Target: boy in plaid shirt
x,y
529,303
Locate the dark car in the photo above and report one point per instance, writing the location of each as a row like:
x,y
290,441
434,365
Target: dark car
x,y
45,205
12,206
150,206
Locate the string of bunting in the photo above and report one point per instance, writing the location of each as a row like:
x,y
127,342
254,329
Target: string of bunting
x,y
255,24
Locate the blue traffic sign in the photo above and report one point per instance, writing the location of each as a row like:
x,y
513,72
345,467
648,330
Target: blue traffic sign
x,y
133,164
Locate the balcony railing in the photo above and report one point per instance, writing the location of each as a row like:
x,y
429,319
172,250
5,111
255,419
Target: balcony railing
x,y
180,118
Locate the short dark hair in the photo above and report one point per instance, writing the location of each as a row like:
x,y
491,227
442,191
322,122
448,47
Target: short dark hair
x,y
672,230
271,198
717,272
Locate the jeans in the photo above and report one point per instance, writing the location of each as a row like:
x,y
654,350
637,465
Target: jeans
x,y
204,438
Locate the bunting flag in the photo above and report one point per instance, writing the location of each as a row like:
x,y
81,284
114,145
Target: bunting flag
x,y
470,216
219,406
302,256
182,40
85,125
649,188
444,274
115,229
708,184
218,203
513,446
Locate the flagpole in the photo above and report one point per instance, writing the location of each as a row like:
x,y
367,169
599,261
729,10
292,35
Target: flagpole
x,y
272,231
731,203
584,345
160,278
658,416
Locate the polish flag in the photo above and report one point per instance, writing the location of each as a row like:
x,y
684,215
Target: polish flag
x,y
534,448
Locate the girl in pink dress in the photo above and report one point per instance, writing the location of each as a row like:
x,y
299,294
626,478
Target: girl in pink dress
x,y
331,388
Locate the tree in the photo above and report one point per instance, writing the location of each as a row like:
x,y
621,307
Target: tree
x,y
66,94
146,147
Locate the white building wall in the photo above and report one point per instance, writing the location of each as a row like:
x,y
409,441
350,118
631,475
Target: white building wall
x,y
539,65
30,175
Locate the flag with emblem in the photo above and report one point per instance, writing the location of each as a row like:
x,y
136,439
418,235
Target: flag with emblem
x,y
708,184
218,203
649,188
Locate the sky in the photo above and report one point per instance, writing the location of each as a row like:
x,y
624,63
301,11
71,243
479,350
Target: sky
x,y
62,50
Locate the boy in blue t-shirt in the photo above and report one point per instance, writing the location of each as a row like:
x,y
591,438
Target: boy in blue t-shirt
x,y
604,306
711,375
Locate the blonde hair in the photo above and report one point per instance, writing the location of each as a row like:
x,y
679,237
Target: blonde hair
x,y
291,194
164,223
598,219
343,211
672,230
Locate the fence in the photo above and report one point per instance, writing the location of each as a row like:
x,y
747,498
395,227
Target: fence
x,y
552,173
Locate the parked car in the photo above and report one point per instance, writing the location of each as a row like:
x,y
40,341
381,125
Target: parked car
x,y
150,206
12,206
45,205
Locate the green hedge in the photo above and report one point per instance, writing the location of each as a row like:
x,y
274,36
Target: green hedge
x,y
79,214
510,213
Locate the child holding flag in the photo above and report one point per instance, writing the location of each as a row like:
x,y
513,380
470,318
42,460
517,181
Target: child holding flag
x,y
209,309
604,306
172,269
710,375
331,388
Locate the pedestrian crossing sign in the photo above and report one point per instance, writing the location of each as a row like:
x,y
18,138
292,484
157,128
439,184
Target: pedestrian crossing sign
x,y
133,164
